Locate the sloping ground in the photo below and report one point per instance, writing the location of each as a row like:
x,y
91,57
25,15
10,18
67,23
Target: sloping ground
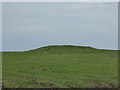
x,y
61,66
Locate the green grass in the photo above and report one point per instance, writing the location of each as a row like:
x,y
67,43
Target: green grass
x,y
61,67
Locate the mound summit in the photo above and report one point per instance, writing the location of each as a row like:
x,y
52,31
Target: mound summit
x,y
53,47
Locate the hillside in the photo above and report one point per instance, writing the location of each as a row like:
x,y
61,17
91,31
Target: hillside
x,y
61,66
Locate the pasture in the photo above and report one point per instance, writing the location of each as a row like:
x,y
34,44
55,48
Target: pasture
x,y
61,67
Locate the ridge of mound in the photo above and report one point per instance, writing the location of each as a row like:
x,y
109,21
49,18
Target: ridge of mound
x,y
61,47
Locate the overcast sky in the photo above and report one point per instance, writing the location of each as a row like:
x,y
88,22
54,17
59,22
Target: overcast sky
x,y
0,26
33,25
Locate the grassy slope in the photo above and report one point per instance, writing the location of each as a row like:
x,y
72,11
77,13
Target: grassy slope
x,y
61,66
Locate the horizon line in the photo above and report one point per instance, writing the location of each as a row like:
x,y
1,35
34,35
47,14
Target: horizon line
x,y
56,45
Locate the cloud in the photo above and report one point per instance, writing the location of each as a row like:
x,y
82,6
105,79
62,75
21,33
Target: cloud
x,y
60,0
82,5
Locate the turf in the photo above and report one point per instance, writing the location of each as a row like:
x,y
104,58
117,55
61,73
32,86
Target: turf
x,y
61,67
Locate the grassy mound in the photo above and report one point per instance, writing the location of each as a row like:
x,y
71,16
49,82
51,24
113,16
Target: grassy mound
x,y
64,66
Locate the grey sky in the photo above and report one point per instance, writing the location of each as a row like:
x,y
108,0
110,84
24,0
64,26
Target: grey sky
x,y
0,26
32,25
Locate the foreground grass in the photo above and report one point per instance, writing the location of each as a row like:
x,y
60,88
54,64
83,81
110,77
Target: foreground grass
x,y
61,66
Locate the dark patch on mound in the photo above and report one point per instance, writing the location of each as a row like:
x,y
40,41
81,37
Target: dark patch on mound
x,y
64,46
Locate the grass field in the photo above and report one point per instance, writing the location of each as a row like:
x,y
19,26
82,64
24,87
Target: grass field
x,y
61,67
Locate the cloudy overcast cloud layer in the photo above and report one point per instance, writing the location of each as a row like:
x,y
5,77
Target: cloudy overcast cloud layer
x,y
32,25
59,0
